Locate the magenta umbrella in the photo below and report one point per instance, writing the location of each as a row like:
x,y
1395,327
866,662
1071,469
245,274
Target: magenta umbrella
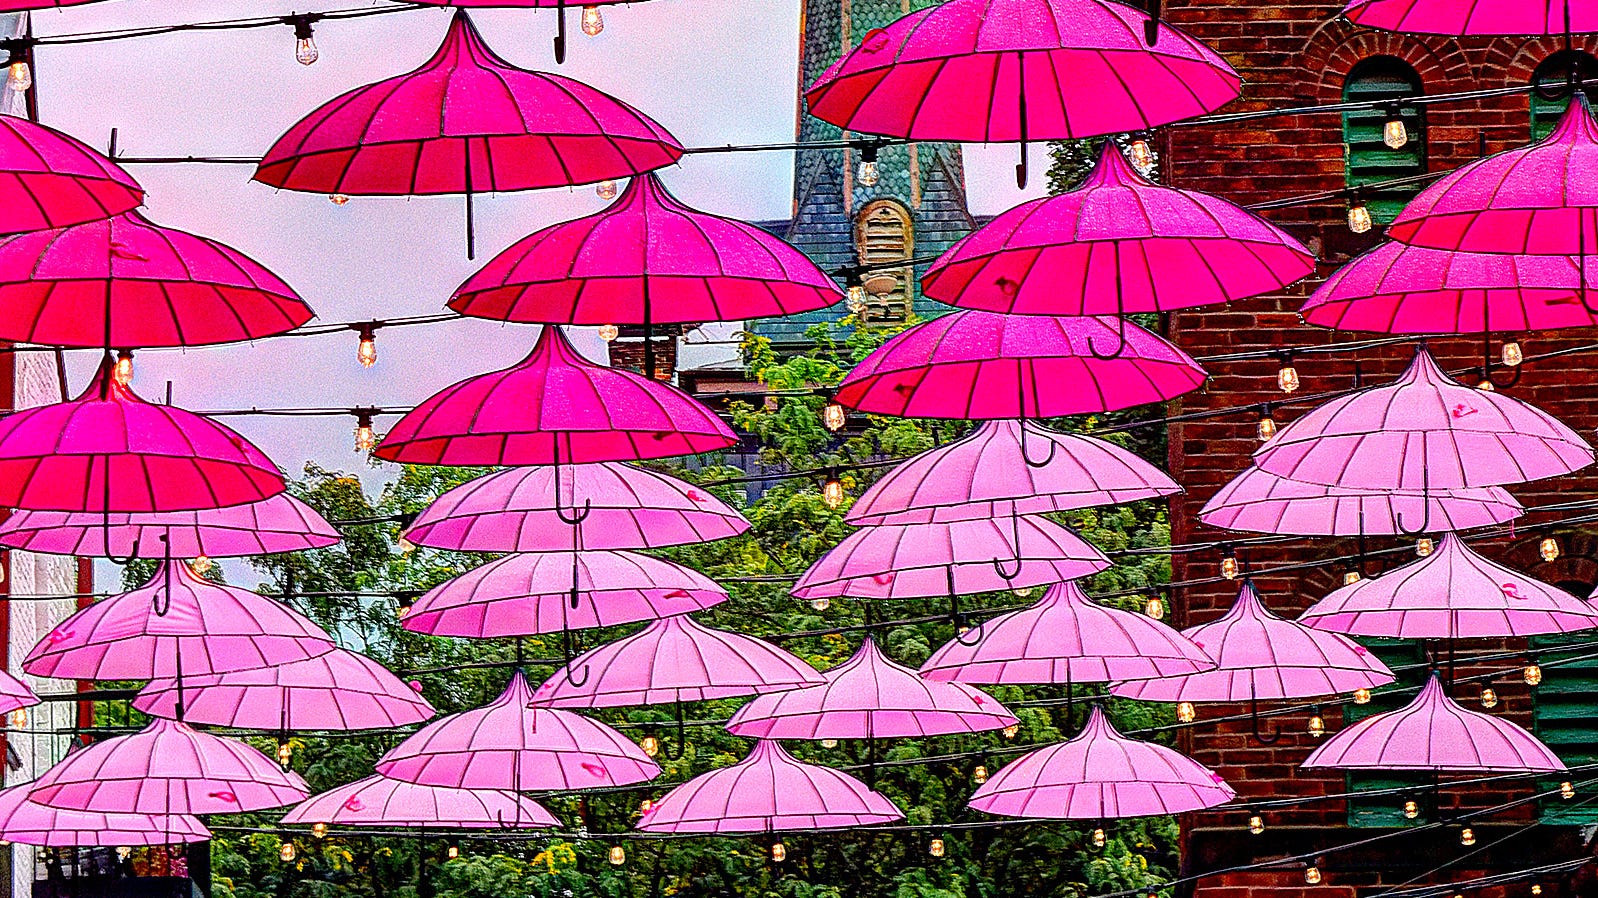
x,y
1262,502
51,180
14,694
986,365
768,791
1475,17
1101,775
1434,733
992,472
29,823
529,510
380,801
524,595
280,523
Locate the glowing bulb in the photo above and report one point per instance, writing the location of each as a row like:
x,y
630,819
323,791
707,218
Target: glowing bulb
x,y
402,610
1411,809
1548,549
365,439
1011,730
829,743
20,76
833,416
285,754
1023,592
19,718
650,745
855,299
1536,889
1098,838
366,351
1512,354
1489,698
869,173
609,332
1317,726
1155,608
605,190
122,371
832,491
1567,791
1359,218
406,547
1467,836
1487,386
645,806
936,848
1256,824
1185,712
1424,546
1532,674
1229,568
1287,378
821,603
1350,578
980,774
1362,696
453,852
1140,155
1394,134
286,852
1267,427
779,852
305,52
618,855
201,564
319,830
338,199
1312,875
593,22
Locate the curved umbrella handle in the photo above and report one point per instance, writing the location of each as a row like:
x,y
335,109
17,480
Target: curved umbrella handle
x,y
566,648
105,520
1120,330
1426,506
560,33
999,564
1487,365
1027,457
1254,716
958,620
162,602
1021,124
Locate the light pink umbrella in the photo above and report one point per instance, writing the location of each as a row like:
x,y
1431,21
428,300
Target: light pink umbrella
x,y
986,365
1067,637
281,523
380,801
168,768
1475,17
1453,593
341,690
508,745
768,791
1101,775
176,619
50,180
528,594
1434,733
14,694
525,510
870,697
1004,468
30,823
1262,502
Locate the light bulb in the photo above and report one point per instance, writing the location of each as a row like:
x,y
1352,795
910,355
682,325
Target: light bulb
x,y
1287,378
1011,730
305,52
453,852
833,416
1532,674
645,806
650,745
338,199
1141,156
1567,790
618,855
201,564
609,332
19,718
1256,824
1312,875
1424,546
1467,837
286,852
20,76
1154,608
319,830
779,852
366,351
832,491
1317,725
122,372
1487,386
855,299
1359,218
829,743
1098,838
1489,698
936,848
1362,696
980,774
593,22
1023,592
1394,134
869,173
406,547
1411,809
1229,567
1185,712
1536,889
402,610
1267,427
1512,354
365,439
285,754
1548,549
605,190
821,603
1350,578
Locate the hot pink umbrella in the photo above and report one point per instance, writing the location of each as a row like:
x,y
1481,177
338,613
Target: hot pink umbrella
x,y
1262,502
986,365
29,823
1004,468
553,407
1434,733
508,745
50,180
1101,775
18,5
341,690
1453,593
524,595
281,523
380,801
14,694
870,697
526,510
168,768
1476,17
175,618
1066,637
766,792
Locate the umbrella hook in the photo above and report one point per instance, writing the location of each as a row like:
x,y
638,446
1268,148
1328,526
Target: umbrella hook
x,y
1120,335
105,512
1020,407
566,645
162,603
674,750
1026,457
577,515
958,619
1021,167
560,32
999,565
1425,498
1151,28
1254,716
1487,365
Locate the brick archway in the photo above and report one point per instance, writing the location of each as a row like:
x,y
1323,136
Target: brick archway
x,y
1337,46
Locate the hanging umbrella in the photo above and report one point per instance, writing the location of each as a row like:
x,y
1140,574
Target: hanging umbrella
x,y
51,180
341,690
168,768
986,365
20,5
1101,775
380,801
870,697
280,523
29,823
1067,638
553,407
1262,502
175,619
14,694
768,791
508,745
1453,593
1116,243
1434,733
547,592
993,472
1476,17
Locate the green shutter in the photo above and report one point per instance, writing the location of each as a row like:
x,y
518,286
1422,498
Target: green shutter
x,y
1565,717
1386,810
1369,159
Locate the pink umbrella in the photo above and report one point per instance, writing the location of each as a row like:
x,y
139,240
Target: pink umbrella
x,y
870,697
1453,593
1262,502
991,472
1101,775
768,791
526,510
1434,733
29,823
1116,243
14,694
168,768
552,407
341,690
380,801
1067,637
1477,17
508,745
175,619
986,365
547,592
281,523
50,180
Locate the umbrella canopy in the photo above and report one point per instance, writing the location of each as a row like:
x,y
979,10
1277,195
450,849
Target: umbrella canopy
x,y
14,694
508,745
1068,638
1101,775
1434,733
341,690
124,282
674,659
553,406
1262,656
30,823
897,561
870,697
380,801
467,122
529,510
18,5
766,792
1424,431
176,618
1476,17
1262,502
168,768
1453,593
1004,468
280,523
1116,243
51,180
986,365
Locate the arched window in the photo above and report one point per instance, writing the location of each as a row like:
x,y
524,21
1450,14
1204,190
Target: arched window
x,y
1368,141
884,233
1552,74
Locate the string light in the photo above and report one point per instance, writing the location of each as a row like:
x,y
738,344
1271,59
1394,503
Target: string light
x,y
1317,723
19,75
855,298
618,855
1548,548
645,806
1312,875
1267,424
1424,546
286,852
338,199
305,52
366,350
1567,791
832,490
285,754
1489,698
650,745
1359,217
1098,837
593,22
1487,386
402,610
1011,730
1512,355
1185,712
833,415
19,718
365,438
1287,376
980,774
820,603
1532,674
1362,696
1467,837
1229,567
1411,809
829,743
319,830
200,564
1351,577
122,371
1536,888
453,852
1256,824
1141,156
779,852
869,173
936,848
609,332
1155,608
1393,132
605,190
